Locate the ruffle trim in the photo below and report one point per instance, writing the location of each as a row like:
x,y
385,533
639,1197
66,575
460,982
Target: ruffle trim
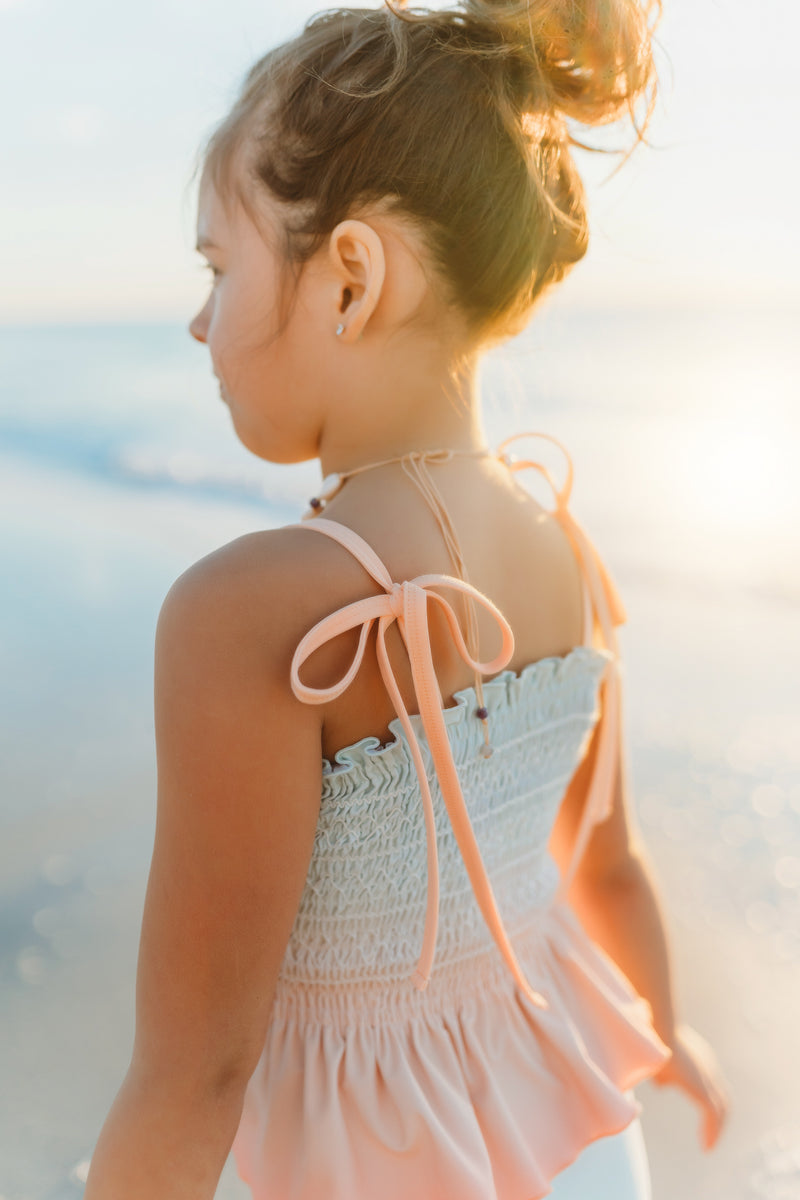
x,y
486,1098
543,690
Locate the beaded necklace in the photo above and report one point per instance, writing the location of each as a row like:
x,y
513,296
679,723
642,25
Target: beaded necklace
x,y
414,466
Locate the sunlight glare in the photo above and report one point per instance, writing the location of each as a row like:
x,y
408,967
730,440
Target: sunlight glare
x,y
740,476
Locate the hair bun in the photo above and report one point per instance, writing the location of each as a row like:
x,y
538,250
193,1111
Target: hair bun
x,y
592,57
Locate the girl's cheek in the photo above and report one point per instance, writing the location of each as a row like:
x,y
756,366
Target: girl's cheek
x,y
213,332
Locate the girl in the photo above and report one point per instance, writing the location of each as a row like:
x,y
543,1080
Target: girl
x,y
400,937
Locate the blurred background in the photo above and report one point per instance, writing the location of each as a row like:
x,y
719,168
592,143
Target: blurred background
x,y
668,365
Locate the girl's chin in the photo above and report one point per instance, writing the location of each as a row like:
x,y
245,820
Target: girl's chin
x,y
250,440
269,449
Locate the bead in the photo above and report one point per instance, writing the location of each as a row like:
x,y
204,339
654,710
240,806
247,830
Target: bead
x,y
481,713
330,486
487,751
330,483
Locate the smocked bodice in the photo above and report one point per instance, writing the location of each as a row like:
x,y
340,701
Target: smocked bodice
x,y
363,909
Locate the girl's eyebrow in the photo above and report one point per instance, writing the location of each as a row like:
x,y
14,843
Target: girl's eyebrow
x,y
203,243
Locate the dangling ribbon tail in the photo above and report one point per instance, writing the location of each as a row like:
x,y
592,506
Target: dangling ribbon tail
x,y
416,633
607,610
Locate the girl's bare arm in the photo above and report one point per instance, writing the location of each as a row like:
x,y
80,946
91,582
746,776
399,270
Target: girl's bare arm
x,y
239,781
613,891
615,896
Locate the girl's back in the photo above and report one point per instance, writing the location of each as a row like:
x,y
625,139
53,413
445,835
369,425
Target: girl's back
x,y
515,551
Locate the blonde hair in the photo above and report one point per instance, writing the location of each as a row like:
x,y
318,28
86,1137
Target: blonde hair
x,y
457,120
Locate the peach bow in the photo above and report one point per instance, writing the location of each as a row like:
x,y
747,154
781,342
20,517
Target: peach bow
x,y
607,610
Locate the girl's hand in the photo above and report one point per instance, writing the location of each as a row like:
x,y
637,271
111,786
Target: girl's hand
x,y
694,1068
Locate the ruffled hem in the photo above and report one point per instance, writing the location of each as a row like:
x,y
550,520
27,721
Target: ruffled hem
x,y
486,1097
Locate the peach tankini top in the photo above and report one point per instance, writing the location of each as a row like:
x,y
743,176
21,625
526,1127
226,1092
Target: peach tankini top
x,y
443,1026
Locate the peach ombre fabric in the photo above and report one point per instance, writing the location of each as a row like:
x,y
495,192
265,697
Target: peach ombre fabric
x,y
443,1026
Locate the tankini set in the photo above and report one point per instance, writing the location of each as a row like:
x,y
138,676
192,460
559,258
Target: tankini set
x,y
443,1026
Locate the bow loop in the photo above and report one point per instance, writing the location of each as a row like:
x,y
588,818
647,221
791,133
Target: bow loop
x,y
561,494
507,648
363,613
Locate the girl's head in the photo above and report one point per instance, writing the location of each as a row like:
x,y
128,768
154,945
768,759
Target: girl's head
x,y
450,127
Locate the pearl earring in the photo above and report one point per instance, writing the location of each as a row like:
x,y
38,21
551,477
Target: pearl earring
x,y
339,330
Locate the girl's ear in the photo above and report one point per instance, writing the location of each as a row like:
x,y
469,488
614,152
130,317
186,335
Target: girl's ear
x,y
357,254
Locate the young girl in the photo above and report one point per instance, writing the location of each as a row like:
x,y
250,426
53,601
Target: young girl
x,y
400,937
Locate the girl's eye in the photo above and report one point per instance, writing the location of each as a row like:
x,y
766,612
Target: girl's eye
x,y
215,274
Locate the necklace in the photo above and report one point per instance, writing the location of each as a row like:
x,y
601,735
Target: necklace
x,y
332,484
414,464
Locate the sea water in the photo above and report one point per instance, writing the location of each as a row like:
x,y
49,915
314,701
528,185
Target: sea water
x,y
119,468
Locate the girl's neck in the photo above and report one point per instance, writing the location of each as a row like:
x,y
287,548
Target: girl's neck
x,y
407,399
361,447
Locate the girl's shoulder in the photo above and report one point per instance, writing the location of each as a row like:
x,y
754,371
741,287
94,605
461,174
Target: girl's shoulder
x,y
261,593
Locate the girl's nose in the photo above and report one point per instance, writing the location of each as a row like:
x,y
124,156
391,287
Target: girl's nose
x,y
196,329
198,326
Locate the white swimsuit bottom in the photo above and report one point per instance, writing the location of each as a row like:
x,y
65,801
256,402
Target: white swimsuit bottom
x,y
610,1168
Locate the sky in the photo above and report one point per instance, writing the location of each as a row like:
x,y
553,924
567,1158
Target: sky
x,y
104,107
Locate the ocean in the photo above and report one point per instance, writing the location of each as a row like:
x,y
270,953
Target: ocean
x,y
119,468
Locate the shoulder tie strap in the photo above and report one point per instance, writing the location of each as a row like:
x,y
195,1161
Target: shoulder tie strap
x,y
604,610
407,603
